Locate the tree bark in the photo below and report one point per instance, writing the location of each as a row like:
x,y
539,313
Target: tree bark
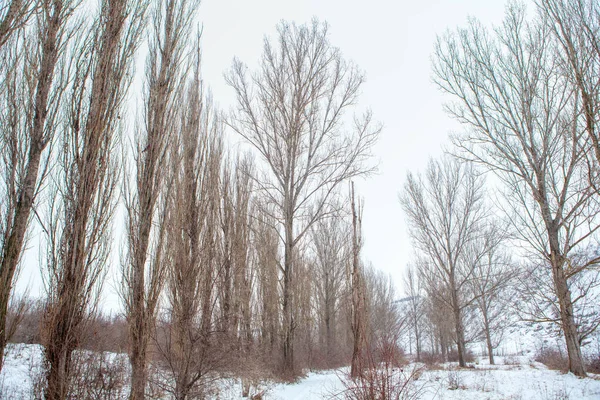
x,y
458,326
288,312
488,335
576,364
356,368
418,342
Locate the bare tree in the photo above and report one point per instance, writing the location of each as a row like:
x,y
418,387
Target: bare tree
x,y
522,116
237,275
83,195
383,321
415,306
332,247
439,327
193,243
292,112
358,291
306,335
493,276
445,212
266,247
31,91
147,197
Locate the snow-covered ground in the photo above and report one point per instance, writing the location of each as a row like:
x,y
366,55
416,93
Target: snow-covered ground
x,y
529,380
515,377
22,363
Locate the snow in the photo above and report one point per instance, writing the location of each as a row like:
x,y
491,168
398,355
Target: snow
x,y
526,380
22,363
315,386
515,377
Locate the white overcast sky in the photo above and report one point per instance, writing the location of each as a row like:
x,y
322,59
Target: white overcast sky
x,y
392,41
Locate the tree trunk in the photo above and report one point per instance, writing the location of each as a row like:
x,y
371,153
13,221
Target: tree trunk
x,y
137,358
443,345
357,305
576,365
561,287
356,366
488,335
458,326
140,314
328,318
14,244
288,314
57,378
460,339
418,342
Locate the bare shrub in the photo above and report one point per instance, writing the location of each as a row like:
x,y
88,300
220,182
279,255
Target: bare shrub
x,y
99,376
102,333
387,351
593,364
431,359
454,357
551,358
18,309
105,334
386,377
383,383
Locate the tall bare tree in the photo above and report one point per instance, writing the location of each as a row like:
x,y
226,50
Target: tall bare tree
x,y
237,273
83,198
193,240
445,211
493,277
415,307
358,291
266,247
292,111
383,321
332,250
522,118
147,197
32,88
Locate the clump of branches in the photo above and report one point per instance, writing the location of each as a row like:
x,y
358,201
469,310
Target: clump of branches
x,y
391,379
